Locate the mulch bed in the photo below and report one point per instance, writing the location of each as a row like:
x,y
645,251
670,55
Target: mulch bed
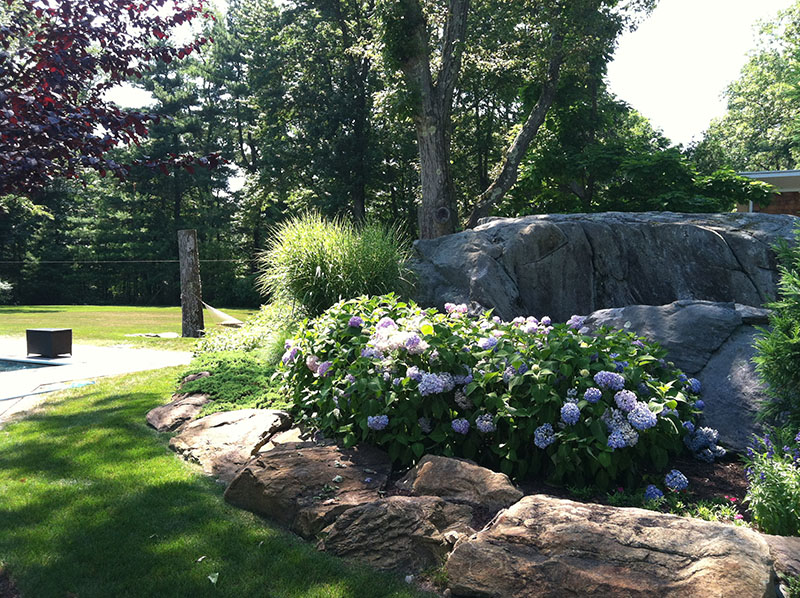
x,y
7,587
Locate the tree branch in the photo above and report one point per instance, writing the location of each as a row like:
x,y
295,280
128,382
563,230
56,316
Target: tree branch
x,y
508,175
455,30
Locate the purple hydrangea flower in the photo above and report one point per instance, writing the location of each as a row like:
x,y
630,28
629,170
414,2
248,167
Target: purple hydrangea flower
x,y
593,394
797,438
576,322
545,321
312,363
397,381
323,369
356,322
412,342
641,418
414,373
386,323
693,384
625,400
570,414
424,425
640,344
371,353
652,493
544,436
509,373
485,424
460,425
699,404
609,380
487,343
290,355
377,422
350,379
676,481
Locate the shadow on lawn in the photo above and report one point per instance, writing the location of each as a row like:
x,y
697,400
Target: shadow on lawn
x,y
98,507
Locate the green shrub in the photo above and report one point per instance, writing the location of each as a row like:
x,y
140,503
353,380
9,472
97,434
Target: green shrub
x,y
6,292
266,332
778,349
314,262
417,381
773,474
238,380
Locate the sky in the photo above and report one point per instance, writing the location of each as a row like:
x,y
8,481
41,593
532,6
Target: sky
x,y
676,65
673,68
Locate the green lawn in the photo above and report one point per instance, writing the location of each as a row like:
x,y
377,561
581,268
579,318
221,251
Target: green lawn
x,y
106,324
93,504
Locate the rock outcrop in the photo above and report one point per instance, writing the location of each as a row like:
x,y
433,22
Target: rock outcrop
x,y
712,342
461,481
223,442
304,486
181,409
564,264
551,548
399,533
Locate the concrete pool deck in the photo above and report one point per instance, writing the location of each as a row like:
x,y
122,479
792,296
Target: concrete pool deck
x,y
21,390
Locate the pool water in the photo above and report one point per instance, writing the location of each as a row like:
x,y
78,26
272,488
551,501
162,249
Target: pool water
x,y
8,365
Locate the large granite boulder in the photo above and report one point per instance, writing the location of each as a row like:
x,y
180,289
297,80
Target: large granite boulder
x,y
181,409
712,342
399,533
545,547
223,442
305,486
461,481
564,264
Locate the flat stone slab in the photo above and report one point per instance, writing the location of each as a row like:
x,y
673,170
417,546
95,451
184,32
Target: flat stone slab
x,y
399,533
786,552
223,442
181,409
304,486
461,481
545,547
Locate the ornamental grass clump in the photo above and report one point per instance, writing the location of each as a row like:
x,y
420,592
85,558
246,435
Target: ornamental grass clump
x,y
313,262
524,397
773,476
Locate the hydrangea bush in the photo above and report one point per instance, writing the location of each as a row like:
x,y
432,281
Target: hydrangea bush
x,y
527,396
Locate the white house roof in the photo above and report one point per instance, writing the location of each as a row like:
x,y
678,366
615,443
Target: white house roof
x,y
784,180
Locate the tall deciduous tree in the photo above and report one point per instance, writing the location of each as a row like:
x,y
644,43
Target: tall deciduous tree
x,y
426,42
58,60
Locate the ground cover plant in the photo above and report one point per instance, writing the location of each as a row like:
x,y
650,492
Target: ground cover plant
x,y
526,397
312,262
92,504
104,324
238,380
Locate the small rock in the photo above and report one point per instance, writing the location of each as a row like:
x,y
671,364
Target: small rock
x,y
197,376
183,408
460,480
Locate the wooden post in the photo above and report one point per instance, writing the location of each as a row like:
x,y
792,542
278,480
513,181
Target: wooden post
x,y
191,290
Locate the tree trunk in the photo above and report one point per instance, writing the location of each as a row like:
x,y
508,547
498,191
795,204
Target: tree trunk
x,y
437,213
191,291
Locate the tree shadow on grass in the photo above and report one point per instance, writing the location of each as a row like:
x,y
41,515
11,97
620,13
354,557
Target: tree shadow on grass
x,y
94,505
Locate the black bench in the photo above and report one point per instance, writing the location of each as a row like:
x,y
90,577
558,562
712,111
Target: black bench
x,y
49,342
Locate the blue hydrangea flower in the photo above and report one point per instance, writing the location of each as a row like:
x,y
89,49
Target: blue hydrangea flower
x,y
397,381
797,438
626,400
576,322
460,425
350,378
371,353
699,404
682,379
356,322
377,422
424,425
640,344
693,384
593,394
485,424
509,373
386,323
641,418
676,481
487,343
414,373
430,384
703,444
448,382
652,493
570,414
609,380
689,426
616,440
621,365
545,321
544,436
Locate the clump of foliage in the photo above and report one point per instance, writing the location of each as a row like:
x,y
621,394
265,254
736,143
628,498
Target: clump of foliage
x,y
773,474
6,291
266,332
778,349
527,397
238,380
314,262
